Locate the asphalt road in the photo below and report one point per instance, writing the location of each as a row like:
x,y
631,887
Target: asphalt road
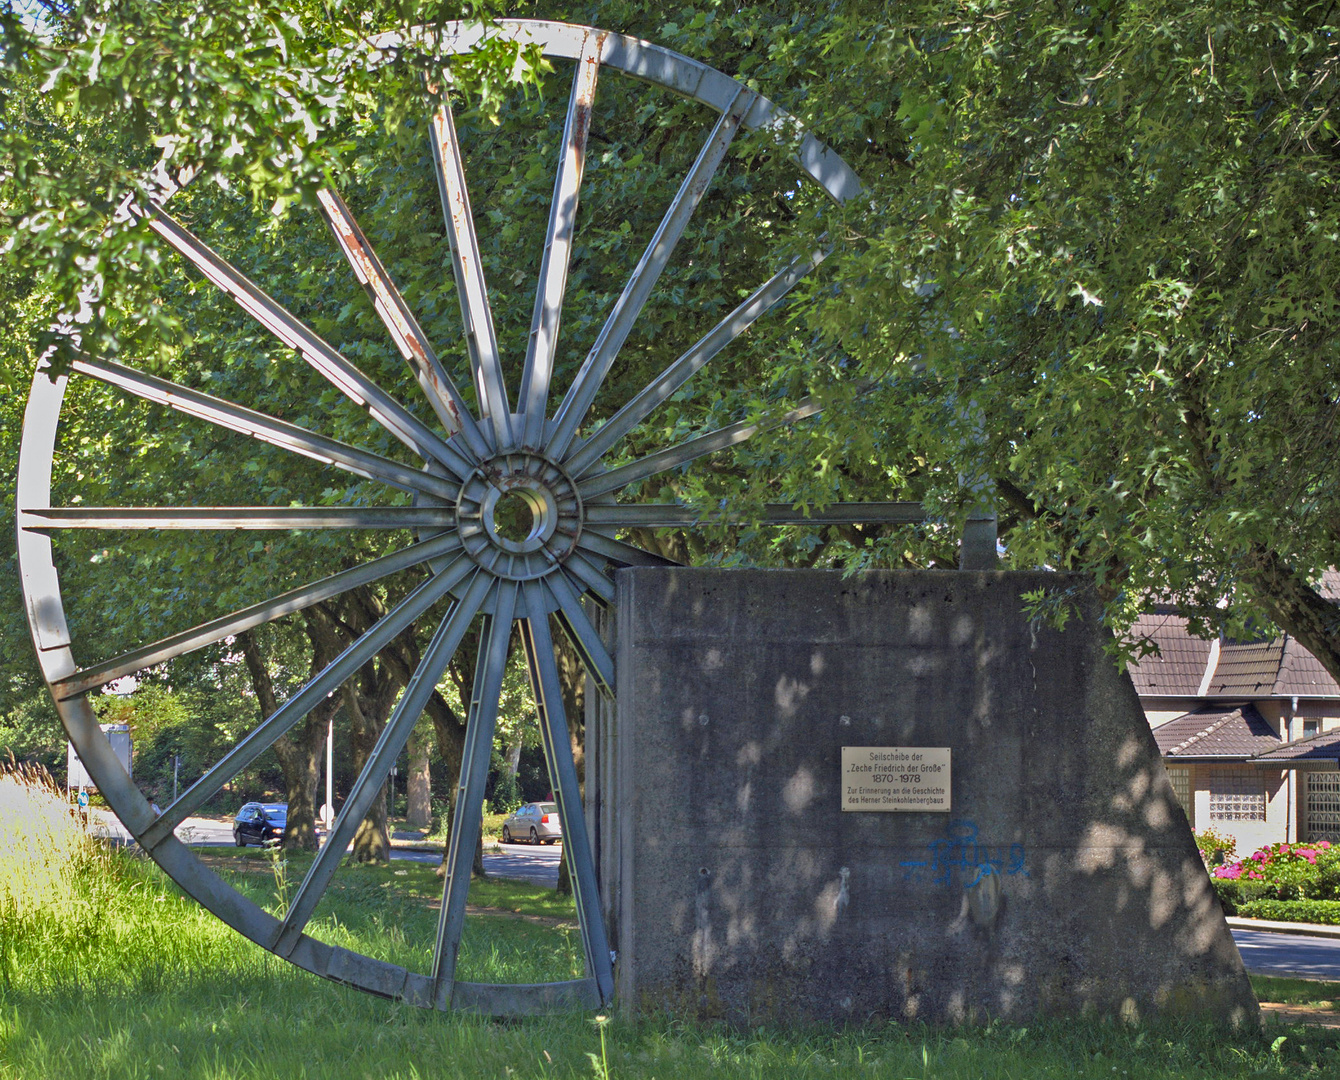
x,y
1265,953
538,864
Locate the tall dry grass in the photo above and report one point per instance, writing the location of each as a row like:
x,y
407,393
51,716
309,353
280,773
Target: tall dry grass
x,y
43,843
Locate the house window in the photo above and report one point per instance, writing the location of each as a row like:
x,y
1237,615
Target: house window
x,y
1311,727
1323,806
1181,785
1237,795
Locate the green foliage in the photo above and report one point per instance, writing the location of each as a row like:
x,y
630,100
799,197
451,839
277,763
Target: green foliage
x,y
1214,848
1322,912
1284,872
1103,238
109,101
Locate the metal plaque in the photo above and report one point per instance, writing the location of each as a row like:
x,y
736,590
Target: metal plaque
x,y
911,779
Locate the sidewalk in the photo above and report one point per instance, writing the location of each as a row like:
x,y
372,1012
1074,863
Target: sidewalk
x,y
1236,922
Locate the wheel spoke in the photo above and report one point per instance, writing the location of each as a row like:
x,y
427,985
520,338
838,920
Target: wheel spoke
x,y
257,425
533,399
480,337
619,325
438,387
237,517
198,637
671,515
445,641
678,373
582,633
548,693
356,386
490,666
621,553
308,697
590,577
685,452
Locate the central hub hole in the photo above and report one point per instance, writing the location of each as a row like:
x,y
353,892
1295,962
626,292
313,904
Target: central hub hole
x,y
514,517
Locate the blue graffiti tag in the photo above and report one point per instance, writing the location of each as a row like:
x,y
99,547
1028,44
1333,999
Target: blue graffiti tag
x,y
960,856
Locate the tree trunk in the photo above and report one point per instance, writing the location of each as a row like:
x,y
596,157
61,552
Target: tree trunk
x,y
572,679
418,785
1297,607
372,841
368,697
299,751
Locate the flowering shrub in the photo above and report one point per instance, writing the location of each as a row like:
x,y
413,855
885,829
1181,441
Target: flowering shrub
x,y
1212,844
1281,872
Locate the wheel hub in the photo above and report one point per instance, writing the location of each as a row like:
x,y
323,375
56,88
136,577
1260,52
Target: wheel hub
x,y
519,515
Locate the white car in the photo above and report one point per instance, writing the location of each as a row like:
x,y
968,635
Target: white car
x,y
536,822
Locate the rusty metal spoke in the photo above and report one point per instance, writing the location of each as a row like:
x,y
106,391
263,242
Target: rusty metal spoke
x,y
258,425
438,387
678,373
673,457
583,635
490,667
325,683
480,337
587,575
672,515
533,399
247,618
620,553
235,517
289,329
369,784
548,691
629,306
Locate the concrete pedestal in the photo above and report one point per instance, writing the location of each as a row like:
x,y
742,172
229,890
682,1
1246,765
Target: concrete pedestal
x,y
1064,880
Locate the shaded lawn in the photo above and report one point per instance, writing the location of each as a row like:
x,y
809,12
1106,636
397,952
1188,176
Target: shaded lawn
x,y
124,977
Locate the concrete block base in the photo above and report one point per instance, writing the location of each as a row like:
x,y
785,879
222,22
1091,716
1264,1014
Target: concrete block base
x,y
1064,880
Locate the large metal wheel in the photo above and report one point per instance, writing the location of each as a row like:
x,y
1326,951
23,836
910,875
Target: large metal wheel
x,y
515,459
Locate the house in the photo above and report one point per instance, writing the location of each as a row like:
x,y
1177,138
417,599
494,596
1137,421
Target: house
x,y
1249,731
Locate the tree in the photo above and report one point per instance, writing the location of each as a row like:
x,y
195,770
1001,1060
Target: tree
x,y
1113,233
104,105
1091,266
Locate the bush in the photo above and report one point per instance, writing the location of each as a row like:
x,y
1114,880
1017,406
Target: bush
x,y
1215,849
1279,872
1323,912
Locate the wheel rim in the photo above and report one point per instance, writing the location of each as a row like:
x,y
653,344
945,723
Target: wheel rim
x,y
563,557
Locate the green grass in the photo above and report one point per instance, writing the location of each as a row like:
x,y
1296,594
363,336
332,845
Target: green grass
x,y
1297,991
390,912
118,975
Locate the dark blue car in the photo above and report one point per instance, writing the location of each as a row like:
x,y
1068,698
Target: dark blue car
x,y
260,823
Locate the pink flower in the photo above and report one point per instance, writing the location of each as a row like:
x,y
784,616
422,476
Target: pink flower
x,y
1255,875
1324,844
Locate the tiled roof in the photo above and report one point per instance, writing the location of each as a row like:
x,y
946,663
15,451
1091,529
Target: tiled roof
x,y
1330,584
1317,748
1178,668
1235,731
1301,673
1246,670
1278,668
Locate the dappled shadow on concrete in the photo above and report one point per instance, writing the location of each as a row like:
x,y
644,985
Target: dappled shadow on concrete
x,y
1064,879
